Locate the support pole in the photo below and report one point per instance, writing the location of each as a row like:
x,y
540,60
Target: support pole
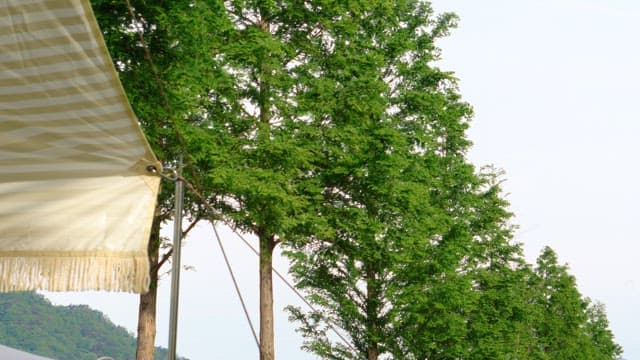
x,y
175,268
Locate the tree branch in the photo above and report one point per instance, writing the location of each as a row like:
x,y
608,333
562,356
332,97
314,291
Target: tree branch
x,y
168,254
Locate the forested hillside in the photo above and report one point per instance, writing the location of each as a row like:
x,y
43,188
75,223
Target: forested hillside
x,y
29,322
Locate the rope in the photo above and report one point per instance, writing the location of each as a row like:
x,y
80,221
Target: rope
x,y
212,219
286,282
235,284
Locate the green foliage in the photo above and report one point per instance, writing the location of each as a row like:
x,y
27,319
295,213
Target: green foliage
x,y
165,94
326,126
405,210
417,261
599,335
30,323
567,326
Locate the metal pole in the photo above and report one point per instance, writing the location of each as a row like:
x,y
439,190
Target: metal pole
x,y
175,269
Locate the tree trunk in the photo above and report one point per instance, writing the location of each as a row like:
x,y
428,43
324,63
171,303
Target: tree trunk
x,y
267,244
372,308
267,241
147,310
372,352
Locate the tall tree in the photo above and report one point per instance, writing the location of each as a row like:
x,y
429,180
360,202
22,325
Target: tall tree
x,y
220,90
156,50
568,326
250,142
499,323
599,334
405,207
562,309
420,261
307,77
462,294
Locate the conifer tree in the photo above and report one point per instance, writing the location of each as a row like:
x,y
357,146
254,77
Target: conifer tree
x,y
408,213
599,334
142,38
567,326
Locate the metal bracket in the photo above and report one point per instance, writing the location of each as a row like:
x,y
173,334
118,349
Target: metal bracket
x,y
167,173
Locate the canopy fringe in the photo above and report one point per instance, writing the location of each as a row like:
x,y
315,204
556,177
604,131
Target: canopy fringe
x,y
69,273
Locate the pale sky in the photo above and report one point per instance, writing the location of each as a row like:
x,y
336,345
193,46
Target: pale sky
x,y
554,85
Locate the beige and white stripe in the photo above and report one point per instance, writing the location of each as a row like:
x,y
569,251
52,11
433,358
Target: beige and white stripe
x,y
76,200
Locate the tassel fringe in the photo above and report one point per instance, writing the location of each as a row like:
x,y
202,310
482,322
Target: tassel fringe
x,y
74,273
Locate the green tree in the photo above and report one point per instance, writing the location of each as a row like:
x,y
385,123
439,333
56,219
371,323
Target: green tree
x,y
405,208
156,49
249,140
228,70
599,334
561,309
568,326
461,292
499,325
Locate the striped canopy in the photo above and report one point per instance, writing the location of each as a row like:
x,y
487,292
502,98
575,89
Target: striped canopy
x,y
76,198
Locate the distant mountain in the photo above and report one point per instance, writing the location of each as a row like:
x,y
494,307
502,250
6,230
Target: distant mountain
x,y
29,322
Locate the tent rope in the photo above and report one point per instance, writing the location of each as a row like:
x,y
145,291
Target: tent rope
x,y
290,286
235,284
210,210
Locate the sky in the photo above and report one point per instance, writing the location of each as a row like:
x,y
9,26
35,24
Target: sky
x,y
554,85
